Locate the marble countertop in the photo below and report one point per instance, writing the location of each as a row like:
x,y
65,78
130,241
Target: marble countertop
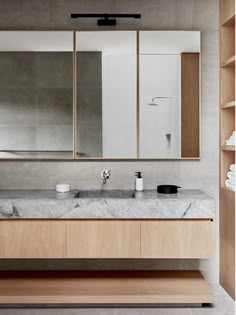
x,y
187,204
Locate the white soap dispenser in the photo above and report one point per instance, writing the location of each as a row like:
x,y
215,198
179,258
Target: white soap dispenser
x,y
139,181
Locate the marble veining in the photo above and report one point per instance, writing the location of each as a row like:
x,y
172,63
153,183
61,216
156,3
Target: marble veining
x,y
186,204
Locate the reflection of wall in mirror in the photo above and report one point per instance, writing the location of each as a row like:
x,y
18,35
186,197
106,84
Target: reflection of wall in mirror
x,y
36,101
160,126
119,105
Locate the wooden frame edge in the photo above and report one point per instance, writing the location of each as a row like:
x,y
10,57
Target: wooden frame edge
x,y
74,96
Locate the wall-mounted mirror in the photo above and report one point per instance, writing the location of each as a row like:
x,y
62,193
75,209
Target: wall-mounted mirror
x,y
36,81
99,94
106,122
169,94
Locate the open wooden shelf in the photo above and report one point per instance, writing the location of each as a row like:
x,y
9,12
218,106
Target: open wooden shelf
x,y
227,11
230,21
227,158
229,63
104,287
227,84
228,105
228,189
228,148
227,153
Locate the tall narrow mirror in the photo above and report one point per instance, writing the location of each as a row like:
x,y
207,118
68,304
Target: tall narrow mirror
x,y
106,94
36,103
169,94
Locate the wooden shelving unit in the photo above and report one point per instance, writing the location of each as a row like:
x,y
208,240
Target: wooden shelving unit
x,y
229,63
227,153
228,105
228,148
104,287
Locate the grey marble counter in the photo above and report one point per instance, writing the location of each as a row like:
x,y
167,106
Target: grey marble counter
x,y
186,204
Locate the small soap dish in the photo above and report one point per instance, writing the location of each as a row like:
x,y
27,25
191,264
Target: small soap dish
x,y
62,188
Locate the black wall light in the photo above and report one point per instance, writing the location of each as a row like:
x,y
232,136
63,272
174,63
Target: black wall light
x,y
105,17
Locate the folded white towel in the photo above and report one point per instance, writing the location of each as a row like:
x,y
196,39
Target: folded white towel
x,y
232,139
231,182
232,167
231,142
231,175
228,185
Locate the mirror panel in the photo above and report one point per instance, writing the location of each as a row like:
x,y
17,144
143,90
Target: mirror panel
x,y
169,94
106,94
36,94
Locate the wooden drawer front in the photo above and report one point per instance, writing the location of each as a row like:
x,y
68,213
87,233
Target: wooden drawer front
x,y
103,239
177,239
32,239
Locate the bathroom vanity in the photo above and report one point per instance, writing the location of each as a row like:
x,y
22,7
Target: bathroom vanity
x,y
76,95
112,224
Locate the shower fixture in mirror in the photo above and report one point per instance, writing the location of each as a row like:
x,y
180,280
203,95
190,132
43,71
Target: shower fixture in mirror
x,y
99,95
169,94
36,89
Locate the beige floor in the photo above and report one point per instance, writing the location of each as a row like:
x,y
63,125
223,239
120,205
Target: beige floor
x,y
224,305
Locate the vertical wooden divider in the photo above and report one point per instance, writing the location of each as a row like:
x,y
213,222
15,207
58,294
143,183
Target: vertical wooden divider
x,y
190,109
138,94
74,97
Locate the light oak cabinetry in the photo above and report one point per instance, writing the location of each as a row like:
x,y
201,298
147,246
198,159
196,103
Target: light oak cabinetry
x,y
227,241
106,239
32,239
177,239
101,287
227,153
103,239
190,99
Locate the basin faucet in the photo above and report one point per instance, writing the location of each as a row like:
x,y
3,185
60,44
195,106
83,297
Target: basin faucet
x,y
105,174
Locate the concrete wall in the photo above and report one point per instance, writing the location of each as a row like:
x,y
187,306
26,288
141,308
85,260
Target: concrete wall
x,y
156,14
36,101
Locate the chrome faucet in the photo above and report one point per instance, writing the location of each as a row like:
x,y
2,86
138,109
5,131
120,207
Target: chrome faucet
x,y
105,174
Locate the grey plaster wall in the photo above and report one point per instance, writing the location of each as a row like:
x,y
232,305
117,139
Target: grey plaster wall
x,y
156,14
36,101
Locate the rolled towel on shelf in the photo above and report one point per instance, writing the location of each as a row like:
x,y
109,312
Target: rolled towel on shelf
x,y
232,139
232,167
229,184
231,175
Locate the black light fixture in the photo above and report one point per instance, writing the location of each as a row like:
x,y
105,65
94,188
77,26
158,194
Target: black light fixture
x,y
105,17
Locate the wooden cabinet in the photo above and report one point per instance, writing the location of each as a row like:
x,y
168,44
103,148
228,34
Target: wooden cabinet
x,y
227,153
32,239
106,239
227,241
103,239
177,239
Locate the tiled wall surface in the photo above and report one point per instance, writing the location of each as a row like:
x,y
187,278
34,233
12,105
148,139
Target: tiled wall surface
x,y
156,14
36,101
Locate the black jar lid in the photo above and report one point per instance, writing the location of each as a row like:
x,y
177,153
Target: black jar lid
x,y
167,189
